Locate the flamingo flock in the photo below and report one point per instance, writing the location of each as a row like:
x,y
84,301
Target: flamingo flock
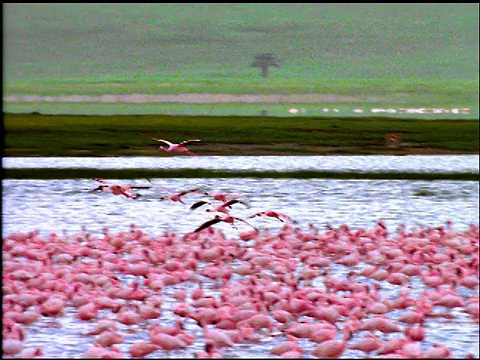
x,y
225,294
456,111
224,205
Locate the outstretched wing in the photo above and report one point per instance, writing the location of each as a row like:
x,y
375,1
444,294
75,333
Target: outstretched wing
x,y
188,191
100,188
246,222
257,214
207,224
168,143
286,217
185,142
139,187
234,201
198,204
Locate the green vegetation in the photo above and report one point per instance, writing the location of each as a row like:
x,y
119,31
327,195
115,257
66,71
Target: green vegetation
x,y
396,93
402,55
106,42
131,135
85,173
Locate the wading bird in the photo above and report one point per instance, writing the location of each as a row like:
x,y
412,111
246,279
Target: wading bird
x,y
393,140
224,207
224,197
117,189
180,148
274,214
228,219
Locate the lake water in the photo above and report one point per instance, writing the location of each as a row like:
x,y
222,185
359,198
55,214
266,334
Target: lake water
x,y
414,163
67,206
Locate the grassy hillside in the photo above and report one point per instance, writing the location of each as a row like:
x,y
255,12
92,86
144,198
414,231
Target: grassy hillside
x,y
117,42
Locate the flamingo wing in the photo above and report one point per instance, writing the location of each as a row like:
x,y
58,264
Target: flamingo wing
x,y
246,222
257,214
231,202
198,204
163,141
286,217
139,187
185,142
207,224
188,191
100,188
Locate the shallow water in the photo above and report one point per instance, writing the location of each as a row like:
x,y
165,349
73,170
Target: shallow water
x,y
414,163
65,206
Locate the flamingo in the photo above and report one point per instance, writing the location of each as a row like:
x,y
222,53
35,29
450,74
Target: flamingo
x,y
224,197
223,207
228,219
180,148
117,189
274,214
143,348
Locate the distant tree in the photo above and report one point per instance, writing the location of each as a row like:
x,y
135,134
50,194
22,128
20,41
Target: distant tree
x,y
264,61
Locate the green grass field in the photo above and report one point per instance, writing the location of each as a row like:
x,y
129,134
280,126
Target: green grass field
x,y
403,55
127,135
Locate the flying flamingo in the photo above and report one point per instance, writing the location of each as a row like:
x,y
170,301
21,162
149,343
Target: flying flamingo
x,y
273,214
228,219
117,189
180,148
223,207
224,197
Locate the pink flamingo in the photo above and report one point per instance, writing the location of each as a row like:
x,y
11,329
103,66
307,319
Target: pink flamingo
x,y
117,189
103,325
180,148
209,352
288,345
12,346
108,338
228,219
223,197
167,342
223,207
332,348
437,351
274,214
143,348
367,344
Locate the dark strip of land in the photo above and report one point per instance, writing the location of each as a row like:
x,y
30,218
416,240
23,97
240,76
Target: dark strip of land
x,y
30,135
87,173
